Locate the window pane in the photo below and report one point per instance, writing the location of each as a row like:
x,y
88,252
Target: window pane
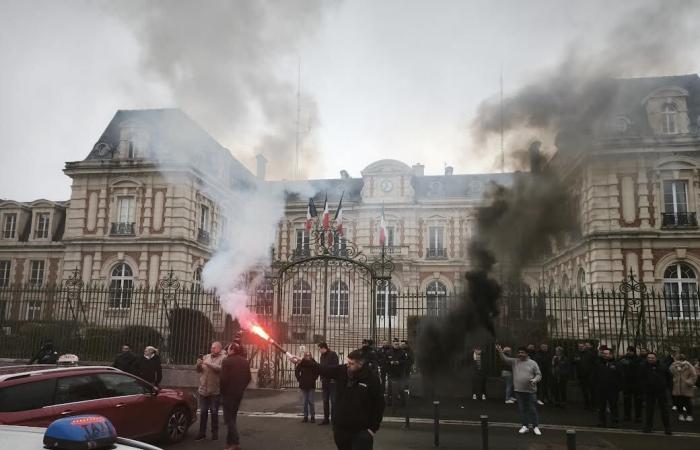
x,y
27,396
116,385
125,209
4,273
77,389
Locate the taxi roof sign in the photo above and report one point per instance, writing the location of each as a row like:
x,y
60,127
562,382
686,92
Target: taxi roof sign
x,y
86,432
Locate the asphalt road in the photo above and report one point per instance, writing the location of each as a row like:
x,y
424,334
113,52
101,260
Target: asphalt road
x,y
286,432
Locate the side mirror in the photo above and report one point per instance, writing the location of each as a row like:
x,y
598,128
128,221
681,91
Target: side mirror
x,y
154,391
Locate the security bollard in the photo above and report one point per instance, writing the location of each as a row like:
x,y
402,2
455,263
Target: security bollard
x,y
436,427
408,420
570,439
484,432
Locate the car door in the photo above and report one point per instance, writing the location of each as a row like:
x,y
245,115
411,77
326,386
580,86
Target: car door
x,y
78,394
25,403
136,409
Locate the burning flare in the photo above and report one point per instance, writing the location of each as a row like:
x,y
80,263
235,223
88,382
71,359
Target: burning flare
x,y
257,329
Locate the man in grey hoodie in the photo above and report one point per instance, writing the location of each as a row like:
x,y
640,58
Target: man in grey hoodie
x,y
526,375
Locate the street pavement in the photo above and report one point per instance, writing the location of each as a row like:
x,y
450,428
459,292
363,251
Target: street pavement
x,y
269,420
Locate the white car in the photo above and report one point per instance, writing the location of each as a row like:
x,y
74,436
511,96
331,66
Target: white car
x,y
72,433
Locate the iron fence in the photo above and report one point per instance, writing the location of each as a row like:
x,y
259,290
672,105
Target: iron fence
x,y
93,321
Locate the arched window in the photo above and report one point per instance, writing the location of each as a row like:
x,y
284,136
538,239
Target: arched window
x,y
386,300
669,113
436,297
264,297
565,284
581,280
301,299
121,286
681,291
339,299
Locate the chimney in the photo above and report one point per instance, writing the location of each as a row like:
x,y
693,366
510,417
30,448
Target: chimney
x,y
418,170
535,157
449,170
262,165
344,175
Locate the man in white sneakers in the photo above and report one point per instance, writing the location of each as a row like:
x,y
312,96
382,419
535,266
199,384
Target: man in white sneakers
x,y
526,375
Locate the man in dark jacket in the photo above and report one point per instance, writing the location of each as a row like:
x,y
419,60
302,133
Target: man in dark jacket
x,y
150,368
584,361
329,358
382,353
235,376
561,370
631,365
370,355
411,357
359,403
655,382
127,360
397,361
47,354
543,358
307,376
608,379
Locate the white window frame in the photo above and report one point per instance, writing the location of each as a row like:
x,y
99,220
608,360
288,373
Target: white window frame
x,y
37,272
130,202
675,194
387,301
302,245
12,228
43,221
692,311
204,217
34,310
436,295
264,298
5,272
339,299
301,299
669,118
121,287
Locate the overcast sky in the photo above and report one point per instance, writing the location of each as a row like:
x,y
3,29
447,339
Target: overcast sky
x,y
379,79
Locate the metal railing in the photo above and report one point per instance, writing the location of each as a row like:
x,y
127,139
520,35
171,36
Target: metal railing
x,y
203,236
679,220
436,252
122,229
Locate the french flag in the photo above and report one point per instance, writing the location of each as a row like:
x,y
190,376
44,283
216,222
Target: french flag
x,y
326,219
382,230
338,219
310,215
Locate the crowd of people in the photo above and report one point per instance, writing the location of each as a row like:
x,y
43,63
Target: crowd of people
x,y
646,381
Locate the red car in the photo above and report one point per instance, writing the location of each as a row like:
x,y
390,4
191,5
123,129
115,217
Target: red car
x,y
36,396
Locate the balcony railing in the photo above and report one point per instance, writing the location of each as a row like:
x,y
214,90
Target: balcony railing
x,y
300,253
395,250
203,236
436,253
679,220
122,229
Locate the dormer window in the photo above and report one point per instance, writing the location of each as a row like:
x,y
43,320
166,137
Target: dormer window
x,y
10,226
42,226
669,115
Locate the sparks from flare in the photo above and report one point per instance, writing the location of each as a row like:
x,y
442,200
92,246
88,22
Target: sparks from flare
x,y
257,329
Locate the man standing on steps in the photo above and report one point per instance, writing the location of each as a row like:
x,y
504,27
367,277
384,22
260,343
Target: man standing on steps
x,y
526,375
329,358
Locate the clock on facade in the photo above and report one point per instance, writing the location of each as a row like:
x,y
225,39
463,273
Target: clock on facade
x,y
387,185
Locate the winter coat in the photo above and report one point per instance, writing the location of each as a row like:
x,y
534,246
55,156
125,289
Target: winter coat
x,y
47,355
631,372
561,368
210,380
585,363
329,359
544,361
684,378
371,358
235,377
608,376
655,378
359,400
128,362
306,376
397,363
151,369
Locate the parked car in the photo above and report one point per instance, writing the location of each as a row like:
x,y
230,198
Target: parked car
x,y
37,397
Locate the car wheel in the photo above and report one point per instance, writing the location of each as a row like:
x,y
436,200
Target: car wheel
x,y
176,426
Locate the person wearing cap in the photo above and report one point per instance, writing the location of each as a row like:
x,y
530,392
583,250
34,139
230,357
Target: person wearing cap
x,y
359,401
329,358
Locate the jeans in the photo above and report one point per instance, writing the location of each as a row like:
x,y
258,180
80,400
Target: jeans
x,y
328,398
652,399
527,404
396,391
633,397
508,378
307,396
360,440
209,403
230,414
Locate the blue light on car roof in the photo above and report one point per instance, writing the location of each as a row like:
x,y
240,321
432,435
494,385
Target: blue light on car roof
x,y
87,432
